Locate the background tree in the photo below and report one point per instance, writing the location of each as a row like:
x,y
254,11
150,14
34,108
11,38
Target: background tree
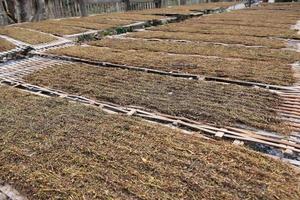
x,y
38,10
9,8
82,7
23,10
127,4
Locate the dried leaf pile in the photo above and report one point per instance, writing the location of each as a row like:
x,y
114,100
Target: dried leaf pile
x,y
270,64
237,27
197,100
198,37
294,6
71,26
249,70
251,20
215,19
125,16
53,149
93,22
25,35
226,29
189,8
253,17
201,49
5,45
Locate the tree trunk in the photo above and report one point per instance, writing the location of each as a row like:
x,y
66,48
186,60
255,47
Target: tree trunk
x,y
182,2
82,8
22,10
39,10
127,5
9,8
158,3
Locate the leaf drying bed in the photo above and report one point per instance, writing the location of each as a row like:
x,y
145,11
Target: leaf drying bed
x,y
27,36
200,49
66,150
72,26
198,37
188,9
125,16
5,45
53,28
250,22
197,100
280,6
256,71
192,27
195,25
